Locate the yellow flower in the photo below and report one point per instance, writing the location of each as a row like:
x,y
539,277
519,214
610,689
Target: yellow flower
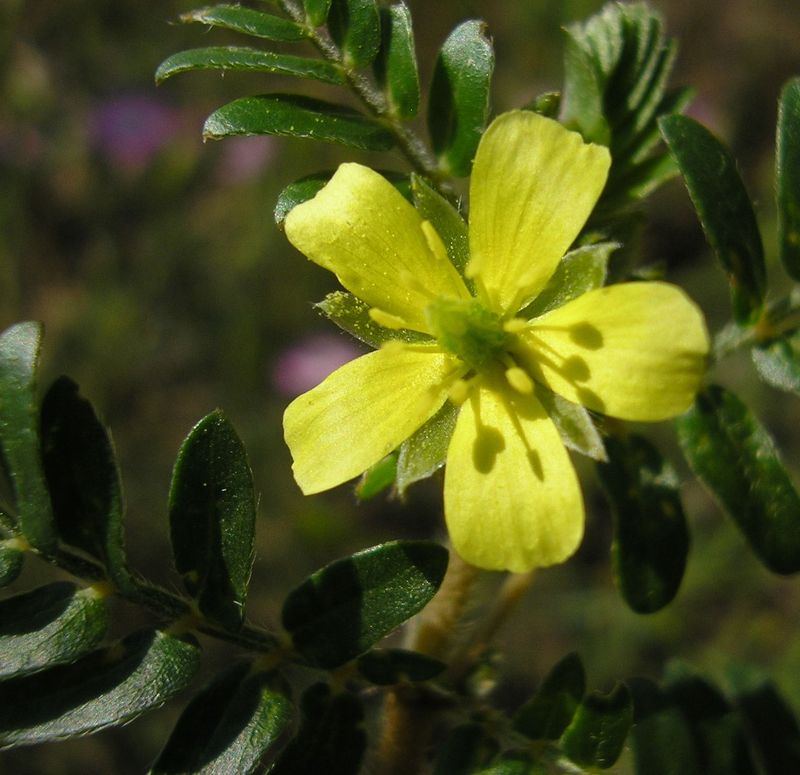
x,y
635,350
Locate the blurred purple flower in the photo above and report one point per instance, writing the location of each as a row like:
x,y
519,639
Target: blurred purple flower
x,y
305,364
129,130
243,158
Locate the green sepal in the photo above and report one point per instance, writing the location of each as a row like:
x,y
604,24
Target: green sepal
x,y
787,177
331,738
230,726
735,457
467,748
355,25
597,734
724,209
549,712
19,434
396,63
425,451
574,424
346,607
580,271
50,625
212,512
317,11
778,362
377,478
351,314
85,486
385,667
445,218
651,538
11,562
252,59
458,104
292,115
247,21
107,687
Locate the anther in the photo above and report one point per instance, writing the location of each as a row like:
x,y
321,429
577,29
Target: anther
x,y
386,319
519,380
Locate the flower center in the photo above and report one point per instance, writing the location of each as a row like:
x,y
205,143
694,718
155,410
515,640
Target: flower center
x,y
468,330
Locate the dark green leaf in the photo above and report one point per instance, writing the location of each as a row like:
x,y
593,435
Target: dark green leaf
x,y
778,362
241,58
734,456
513,763
356,26
83,478
661,740
458,105
317,11
298,192
105,688
294,116
467,748
787,177
598,731
11,561
212,511
574,424
447,221
549,712
19,433
247,21
580,271
390,666
352,315
724,209
343,609
331,737
229,726
396,63
425,451
52,624
772,727
377,478
651,539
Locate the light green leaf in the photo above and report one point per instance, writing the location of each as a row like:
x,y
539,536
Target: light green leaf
x,y
346,607
778,362
294,116
241,58
212,512
247,21
396,64
734,456
787,177
356,26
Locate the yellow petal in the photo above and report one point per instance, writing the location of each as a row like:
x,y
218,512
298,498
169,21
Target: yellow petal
x,y
533,186
512,499
636,351
363,411
361,228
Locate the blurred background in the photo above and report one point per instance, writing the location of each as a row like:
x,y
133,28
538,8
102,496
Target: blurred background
x,y
167,291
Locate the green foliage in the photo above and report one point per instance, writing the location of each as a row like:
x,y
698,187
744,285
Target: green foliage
x,y
247,21
356,26
377,479
385,667
317,11
787,177
396,64
778,361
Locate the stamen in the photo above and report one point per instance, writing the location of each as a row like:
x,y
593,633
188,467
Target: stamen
x,y
412,283
386,319
515,325
459,391
519,380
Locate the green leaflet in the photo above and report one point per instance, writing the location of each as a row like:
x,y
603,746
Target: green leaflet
x,y
317,11
734,456
294,116
724,209
458,105
343,609
212,512
787,177
778,362
396,64
356,26
241,58
247,21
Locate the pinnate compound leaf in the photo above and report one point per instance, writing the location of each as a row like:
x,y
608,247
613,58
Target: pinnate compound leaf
x,y
84,481
549,712
346,607
331,738
212,511
19,433
651,538
253,59
291,115
598,731
317,11
724,209
50,625
229,726
787,177
735,457
105,688
778,362
396,64
12,558
356,26
247,21
458,104
385,667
